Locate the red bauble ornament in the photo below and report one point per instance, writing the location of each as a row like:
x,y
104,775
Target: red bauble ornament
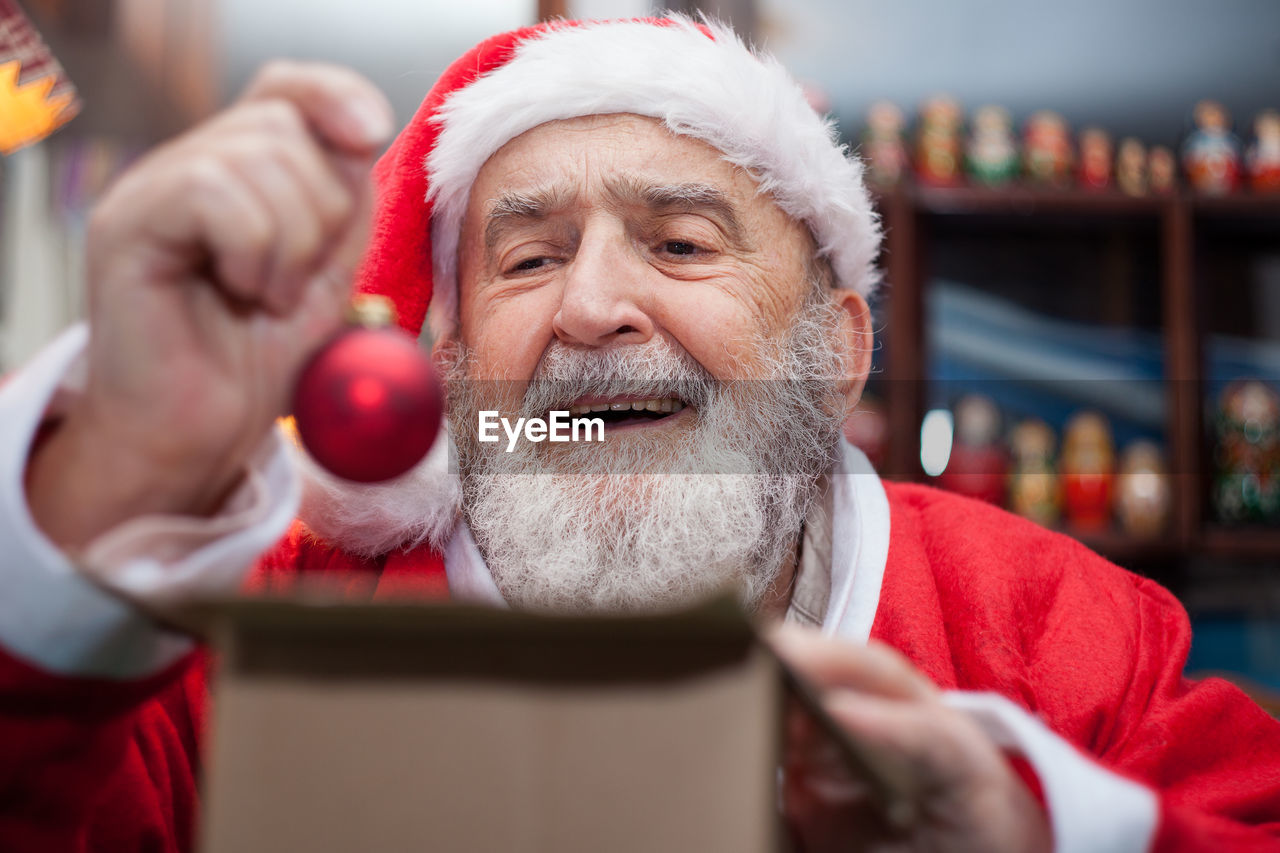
x,y
368,404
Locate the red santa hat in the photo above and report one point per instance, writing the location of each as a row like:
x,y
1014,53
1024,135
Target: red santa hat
x,y
698,80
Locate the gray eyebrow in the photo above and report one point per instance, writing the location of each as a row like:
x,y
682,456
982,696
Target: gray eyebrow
x,y
532,204
541,202
690,196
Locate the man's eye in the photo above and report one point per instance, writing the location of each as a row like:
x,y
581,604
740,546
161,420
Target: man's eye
x,y
679,247
529,264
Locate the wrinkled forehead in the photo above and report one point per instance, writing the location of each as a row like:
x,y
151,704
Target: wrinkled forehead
x,y
630,166
623,158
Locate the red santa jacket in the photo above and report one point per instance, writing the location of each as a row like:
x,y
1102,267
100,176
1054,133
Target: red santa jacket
x,y
978,599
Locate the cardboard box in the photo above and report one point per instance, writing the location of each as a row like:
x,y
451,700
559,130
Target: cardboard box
x,y
445,728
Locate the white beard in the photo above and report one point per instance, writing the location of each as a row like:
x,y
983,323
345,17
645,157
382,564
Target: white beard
x,y
645,522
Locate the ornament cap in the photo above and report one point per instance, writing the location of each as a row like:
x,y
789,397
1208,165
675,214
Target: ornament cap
x,y
371,310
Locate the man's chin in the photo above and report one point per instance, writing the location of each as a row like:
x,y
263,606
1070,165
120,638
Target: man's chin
x,y
578,541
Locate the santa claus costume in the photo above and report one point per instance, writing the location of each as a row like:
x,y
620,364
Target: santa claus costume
x,y
1069,663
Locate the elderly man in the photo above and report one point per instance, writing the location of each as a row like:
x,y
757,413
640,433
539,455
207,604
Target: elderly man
x,y
637,220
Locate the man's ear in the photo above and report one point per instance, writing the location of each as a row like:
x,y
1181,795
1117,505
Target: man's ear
x,y
855,341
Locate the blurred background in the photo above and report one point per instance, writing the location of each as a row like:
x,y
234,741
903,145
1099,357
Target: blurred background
x,y
1080,319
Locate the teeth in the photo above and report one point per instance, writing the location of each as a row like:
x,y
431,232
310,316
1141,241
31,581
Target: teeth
x,y
665,404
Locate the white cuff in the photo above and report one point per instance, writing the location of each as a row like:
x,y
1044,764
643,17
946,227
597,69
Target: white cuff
x,y
57,618
1091,809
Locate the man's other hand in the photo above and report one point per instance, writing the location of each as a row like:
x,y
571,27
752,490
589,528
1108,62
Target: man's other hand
x,y
968,798
215,266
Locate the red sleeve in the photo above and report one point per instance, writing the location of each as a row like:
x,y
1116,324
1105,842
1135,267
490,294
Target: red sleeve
x,y
98,765
983,600
1107,658
112,766
1211,753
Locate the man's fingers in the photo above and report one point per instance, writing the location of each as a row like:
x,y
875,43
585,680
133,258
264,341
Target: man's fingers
x,y
338,195
296,150
327,292
332,182
312,197
944,749
829,663
220,212
299,241
962,785
346,255
345,109
827,807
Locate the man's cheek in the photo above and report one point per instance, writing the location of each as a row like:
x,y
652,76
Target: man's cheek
x,y
718,323
510,343
503,397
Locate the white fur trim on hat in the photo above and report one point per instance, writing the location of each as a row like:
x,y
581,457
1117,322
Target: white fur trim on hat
x,y
716,90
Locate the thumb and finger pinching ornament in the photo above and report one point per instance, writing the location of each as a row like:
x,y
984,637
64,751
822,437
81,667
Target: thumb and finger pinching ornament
x,y
368,404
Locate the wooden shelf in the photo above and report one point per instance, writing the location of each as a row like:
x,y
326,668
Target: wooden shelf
x,y
1247,543
1178,234
1241,205
1032,201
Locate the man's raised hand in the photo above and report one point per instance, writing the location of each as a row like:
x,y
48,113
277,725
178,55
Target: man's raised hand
x,y
216,265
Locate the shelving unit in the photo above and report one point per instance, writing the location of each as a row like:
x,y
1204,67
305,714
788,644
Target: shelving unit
x,y
1178,231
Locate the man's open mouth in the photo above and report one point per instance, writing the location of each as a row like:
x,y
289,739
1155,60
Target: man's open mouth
x,y
618,412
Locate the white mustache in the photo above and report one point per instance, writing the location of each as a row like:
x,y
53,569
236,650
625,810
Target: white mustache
x,y
654,369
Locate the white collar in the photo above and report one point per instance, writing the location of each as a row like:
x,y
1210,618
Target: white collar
x,y
859,545
468,576
859,550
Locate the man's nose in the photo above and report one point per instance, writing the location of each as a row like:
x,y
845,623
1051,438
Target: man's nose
x,y
604,293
